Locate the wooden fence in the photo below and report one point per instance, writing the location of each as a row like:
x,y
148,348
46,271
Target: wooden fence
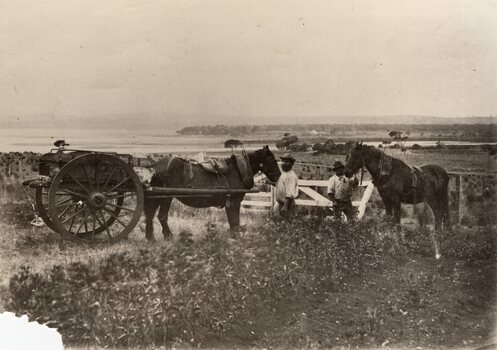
x,y
459,179
309,188
267,200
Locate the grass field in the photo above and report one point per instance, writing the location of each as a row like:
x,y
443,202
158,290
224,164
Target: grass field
x,y
298,286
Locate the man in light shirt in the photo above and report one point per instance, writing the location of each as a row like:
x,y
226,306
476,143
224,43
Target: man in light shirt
x,y
340,190
287,186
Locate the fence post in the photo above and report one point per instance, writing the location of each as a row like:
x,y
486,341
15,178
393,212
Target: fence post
x,y
273,198
458,197
364,200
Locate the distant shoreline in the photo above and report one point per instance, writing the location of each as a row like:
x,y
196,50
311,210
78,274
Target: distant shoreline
x,y
150,141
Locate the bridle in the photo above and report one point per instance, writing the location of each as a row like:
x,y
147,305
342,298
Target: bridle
x,y
259,165
361,167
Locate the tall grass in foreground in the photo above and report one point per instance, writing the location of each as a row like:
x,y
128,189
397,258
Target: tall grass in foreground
x,y
192,290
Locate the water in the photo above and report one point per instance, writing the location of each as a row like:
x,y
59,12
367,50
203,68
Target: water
x,y
139,142
123,141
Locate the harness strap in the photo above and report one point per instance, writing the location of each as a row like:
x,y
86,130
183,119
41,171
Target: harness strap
x,y
189,173
161,169
247,162
248,180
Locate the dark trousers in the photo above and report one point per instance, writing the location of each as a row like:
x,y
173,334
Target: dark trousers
x,y
291,207
346,207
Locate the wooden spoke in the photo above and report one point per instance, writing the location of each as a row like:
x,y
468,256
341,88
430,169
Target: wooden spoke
x,y
104,224
64,201
72,220
119,184
79,184
74,193
72,216
110,177
65,210
121,207
86,174
83,222
115,217
66,205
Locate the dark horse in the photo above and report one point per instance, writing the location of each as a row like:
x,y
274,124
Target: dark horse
x,y
399,183
173,172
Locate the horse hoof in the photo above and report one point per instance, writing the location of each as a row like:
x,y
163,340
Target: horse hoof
x,y
168,235
438,256
151,239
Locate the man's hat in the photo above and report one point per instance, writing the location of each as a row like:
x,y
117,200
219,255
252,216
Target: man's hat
x,y
59,143
338,164
287,156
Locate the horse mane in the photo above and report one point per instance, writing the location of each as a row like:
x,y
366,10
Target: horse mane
x,y
385,161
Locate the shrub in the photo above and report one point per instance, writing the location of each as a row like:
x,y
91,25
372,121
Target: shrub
x,y
191,291
17,214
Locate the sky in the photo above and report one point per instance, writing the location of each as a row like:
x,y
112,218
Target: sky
x,y
240,59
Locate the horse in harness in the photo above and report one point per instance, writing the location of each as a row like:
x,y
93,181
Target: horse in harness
x,y
232,173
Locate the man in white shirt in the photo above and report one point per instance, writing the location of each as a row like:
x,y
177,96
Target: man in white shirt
x,y
287,186
340,190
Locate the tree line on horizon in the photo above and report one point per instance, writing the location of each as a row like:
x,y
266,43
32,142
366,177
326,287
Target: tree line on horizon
x,y
463,131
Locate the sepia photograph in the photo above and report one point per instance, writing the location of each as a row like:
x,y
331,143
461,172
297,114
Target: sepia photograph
x,y
188,174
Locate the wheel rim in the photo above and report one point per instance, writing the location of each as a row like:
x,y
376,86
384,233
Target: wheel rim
x,y
95,197
41,198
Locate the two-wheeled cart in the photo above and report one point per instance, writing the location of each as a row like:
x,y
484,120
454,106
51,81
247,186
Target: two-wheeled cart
x,y
98,196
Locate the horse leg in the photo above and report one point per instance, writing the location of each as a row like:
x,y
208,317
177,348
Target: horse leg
x,y
150,207
165,204
388,206
436,212
422,213
396,212
443,205
233,214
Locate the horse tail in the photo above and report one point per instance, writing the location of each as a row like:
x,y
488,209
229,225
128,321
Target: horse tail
x,y
442,178
443,192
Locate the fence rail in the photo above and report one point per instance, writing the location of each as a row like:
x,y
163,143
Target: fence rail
x,y
267,200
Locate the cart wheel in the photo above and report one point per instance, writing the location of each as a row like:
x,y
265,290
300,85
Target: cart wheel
x,y
92,194
41,201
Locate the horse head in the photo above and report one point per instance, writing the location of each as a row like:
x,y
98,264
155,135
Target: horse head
x,y
263,160
355,159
